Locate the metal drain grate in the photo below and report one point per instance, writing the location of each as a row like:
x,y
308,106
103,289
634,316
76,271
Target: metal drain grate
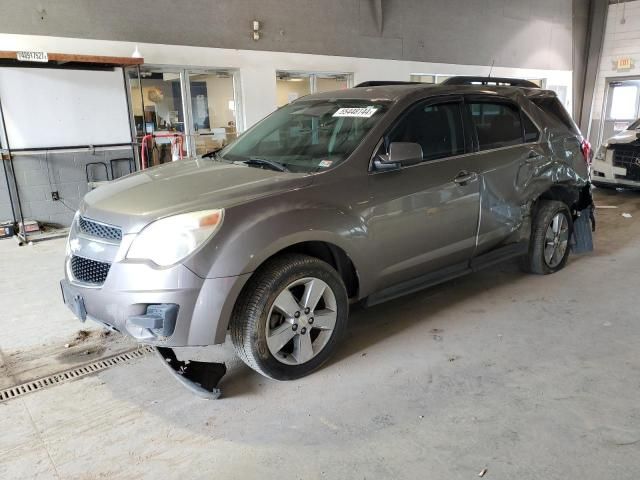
x,y
72,374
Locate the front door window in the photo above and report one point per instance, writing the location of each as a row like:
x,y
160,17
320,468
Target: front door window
x,y
436,128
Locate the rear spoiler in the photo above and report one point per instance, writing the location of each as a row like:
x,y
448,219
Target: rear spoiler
x,y
498,81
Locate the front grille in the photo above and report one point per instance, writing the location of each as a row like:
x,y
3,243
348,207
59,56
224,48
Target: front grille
x,y
89,271
627,156
99,230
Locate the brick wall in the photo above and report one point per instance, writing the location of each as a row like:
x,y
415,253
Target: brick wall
x,y
39,174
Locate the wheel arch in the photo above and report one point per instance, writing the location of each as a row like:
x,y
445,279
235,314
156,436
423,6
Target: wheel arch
x,y
568,194
334,256
325,249
321,247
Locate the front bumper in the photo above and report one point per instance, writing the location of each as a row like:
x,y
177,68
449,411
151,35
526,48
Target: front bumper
x,y
204,305
603,171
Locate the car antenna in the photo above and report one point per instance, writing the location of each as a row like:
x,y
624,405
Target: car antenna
x,y
491,69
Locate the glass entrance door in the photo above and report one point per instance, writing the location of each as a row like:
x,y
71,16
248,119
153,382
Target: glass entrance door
x,y
157,107
182,112
621,107
214,113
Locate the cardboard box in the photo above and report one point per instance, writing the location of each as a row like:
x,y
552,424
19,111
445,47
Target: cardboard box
x,y
30,226
7,229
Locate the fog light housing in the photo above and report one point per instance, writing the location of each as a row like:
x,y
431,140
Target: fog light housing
x,y
159,319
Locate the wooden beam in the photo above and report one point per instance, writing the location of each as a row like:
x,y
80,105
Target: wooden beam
x,y
94,59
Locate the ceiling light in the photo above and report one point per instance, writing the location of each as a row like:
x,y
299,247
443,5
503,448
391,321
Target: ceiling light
x,y
136,53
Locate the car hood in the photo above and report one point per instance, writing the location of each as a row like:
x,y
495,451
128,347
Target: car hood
x,y
625,136
185,186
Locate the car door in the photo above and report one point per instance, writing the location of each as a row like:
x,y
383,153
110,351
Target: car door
x,y
424,217
509,153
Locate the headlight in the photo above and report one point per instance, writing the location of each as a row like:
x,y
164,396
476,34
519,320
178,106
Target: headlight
x,y
601,153
169,240
73,223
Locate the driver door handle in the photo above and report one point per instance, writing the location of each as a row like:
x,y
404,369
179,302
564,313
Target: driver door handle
x,y
465,177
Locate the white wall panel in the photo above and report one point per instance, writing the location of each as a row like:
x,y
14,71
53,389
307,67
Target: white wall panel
x,y
46,107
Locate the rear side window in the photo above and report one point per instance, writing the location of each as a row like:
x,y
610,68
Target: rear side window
x,y
531,133
436,128
497,124
556,113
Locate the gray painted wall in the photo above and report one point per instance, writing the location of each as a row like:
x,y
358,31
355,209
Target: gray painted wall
x,y
515,33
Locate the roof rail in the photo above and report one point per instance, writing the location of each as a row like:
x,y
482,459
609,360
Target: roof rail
x,y
382,83
512,82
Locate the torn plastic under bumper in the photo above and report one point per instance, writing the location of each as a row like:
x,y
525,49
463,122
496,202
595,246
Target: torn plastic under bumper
x,y
201,378
583,227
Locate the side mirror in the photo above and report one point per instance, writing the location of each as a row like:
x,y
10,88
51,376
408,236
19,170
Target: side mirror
x,y
400,154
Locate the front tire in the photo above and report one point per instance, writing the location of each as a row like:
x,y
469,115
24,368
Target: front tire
x,y
290,316
550,235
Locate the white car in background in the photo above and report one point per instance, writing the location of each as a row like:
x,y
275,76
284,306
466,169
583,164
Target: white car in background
x,y
617,162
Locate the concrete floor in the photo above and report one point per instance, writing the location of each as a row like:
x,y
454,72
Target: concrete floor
x,y
530,377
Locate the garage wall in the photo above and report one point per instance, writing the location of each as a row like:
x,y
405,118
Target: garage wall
x,y
515,33
257,70
621,39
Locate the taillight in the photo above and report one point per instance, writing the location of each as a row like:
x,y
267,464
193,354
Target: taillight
x,y
586,151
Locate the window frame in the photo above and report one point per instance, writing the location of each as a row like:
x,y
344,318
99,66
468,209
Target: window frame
x,y
524,115
430,101
313,76
469,99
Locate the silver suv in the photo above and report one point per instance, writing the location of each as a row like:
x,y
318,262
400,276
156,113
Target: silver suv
x,y
363,194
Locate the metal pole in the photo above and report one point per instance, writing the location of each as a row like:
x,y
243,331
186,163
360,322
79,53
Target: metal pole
x,y
6,177
13,174
144,120
4,166
132,123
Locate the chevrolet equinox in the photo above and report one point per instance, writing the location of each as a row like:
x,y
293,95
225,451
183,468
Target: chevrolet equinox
x,y
363,194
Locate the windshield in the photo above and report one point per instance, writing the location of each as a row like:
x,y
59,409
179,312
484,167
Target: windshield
x,y
635,125
306,136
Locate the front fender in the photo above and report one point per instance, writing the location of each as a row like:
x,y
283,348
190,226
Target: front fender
x,y
254,232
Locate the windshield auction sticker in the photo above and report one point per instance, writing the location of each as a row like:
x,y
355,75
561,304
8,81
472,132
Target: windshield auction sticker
x,y
358,112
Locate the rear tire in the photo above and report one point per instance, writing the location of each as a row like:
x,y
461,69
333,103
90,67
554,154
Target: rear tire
x,y
290,316
605,186
551,232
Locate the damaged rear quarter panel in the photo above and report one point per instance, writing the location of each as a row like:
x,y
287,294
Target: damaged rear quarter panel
x,y
515,177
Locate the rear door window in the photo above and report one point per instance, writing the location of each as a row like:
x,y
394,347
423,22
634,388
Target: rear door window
x,y
436,128
531,133
497,125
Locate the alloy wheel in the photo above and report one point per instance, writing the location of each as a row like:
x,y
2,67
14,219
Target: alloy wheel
x,y
556,240
301,321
